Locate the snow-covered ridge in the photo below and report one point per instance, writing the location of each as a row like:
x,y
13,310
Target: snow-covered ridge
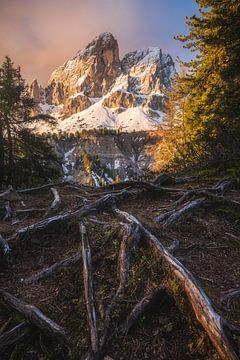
x,y
95,89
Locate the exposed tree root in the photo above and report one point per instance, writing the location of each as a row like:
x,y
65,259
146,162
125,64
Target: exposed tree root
x,y
172,217
15,335
131,237
166,179
88,289
215,326
9,212
29,211
149,298
5,249
35,316
53,269
231,298
43,187
55,205
88,209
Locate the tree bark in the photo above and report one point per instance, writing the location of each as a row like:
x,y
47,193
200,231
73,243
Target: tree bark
x,y
35,316
49,271
2,155
88,289
215,326
13,336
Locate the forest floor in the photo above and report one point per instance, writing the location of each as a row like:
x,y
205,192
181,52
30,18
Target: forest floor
x,y
209,247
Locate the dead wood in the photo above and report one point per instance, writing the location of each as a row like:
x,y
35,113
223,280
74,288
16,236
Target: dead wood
x,y
29,211
88,288
166,179
56,203
43,187
53,269
172,217
174,247
216,327
9,212
152,294
5,249
52,222
4,195
219,189
35,316
231,298
13,336
131,237
10,195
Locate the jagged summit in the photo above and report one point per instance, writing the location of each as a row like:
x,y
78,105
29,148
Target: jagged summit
x,y
96,89
103,41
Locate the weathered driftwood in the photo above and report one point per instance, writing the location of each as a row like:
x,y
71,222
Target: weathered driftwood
x,y
10,195
88,288
53,269
216,327
131,237
5,249
172,217
151,296
13,336
56,203
35,316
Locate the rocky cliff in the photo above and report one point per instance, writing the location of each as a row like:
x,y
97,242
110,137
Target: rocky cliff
x,y
95,89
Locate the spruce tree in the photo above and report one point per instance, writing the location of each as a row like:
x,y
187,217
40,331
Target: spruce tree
x,y
16,109
212,84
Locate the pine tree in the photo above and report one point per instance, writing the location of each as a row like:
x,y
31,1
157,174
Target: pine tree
x,y
16,108
212,84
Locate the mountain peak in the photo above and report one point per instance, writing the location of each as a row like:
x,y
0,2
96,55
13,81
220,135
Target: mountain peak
x,y
96,89
101,42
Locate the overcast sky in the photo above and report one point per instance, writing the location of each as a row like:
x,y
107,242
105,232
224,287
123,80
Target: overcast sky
x,y
40,35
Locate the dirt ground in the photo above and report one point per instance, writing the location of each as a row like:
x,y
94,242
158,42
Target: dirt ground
x,y
209,248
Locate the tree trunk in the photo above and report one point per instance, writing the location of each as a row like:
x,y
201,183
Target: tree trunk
x,y
10,178
2,169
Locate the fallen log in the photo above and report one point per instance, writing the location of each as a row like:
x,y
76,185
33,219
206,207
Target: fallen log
x,y
15,335
217,328
53,269
35,316
56,203
88,289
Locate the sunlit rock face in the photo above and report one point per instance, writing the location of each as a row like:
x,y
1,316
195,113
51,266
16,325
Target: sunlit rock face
x,y
96,89
148,70
91,72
